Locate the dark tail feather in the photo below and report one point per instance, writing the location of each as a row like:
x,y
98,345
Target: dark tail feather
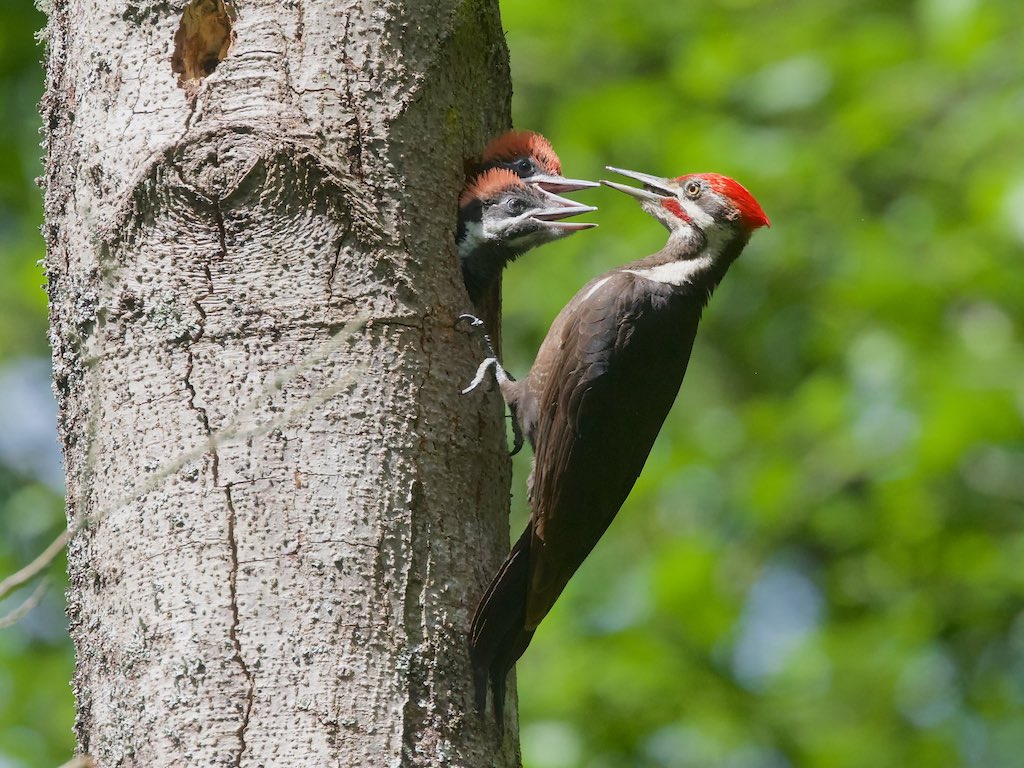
x,y
517,645
498,685
497,637
480,676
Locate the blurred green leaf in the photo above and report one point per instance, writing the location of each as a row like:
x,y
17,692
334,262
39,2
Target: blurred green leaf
x,y
856,395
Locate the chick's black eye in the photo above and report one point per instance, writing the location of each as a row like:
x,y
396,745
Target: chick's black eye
x,y
692,189
514,204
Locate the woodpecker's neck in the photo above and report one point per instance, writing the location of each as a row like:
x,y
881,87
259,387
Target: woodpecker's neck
x,y
474,246
480,258
689,261
481,265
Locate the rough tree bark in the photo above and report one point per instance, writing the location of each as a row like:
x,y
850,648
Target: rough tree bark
x,y
290,511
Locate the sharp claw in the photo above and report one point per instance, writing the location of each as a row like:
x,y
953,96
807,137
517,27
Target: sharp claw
x,y
517,437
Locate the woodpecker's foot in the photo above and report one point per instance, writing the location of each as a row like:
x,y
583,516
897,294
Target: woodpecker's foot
x,y
499,374
491,360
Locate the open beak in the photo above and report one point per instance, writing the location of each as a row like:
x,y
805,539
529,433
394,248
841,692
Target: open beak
x,y
653,185
551,183
562,208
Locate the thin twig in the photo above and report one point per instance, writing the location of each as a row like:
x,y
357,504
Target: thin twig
x,y
22,610
31,570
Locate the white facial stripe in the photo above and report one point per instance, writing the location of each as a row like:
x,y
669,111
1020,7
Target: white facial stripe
x,y
675,272
480,232
697,215
714,231
503,225
595,287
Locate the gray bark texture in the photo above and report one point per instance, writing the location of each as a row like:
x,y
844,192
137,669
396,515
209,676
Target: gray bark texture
x,y
285,510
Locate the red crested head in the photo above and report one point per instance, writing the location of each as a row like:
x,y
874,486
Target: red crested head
x,y
489,184
751,214
517,144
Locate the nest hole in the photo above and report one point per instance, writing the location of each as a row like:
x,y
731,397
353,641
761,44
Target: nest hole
x,y
202,41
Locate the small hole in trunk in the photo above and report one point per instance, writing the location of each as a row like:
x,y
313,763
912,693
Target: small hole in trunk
x,y
202,41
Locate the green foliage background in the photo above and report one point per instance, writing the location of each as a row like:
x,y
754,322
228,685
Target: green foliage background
x,y
823,562
36,707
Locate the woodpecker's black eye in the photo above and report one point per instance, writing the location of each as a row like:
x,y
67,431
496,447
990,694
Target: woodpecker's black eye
x,y
524,167
692,189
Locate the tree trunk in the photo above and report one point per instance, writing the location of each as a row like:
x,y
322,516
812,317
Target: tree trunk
x,y
287,510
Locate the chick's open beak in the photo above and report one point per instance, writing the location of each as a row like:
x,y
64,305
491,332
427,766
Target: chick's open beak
x,y
552,183
559,208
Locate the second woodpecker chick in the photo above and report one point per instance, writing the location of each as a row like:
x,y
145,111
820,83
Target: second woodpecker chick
x,y
532,158
500,218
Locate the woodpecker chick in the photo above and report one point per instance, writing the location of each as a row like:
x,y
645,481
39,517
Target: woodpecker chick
x,y
532,158
594,401
500,218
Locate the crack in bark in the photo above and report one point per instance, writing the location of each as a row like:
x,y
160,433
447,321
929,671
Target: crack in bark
x,y
222,238
332,270
218,218
204,416
193,102
233,628
420,703
355,151
415,712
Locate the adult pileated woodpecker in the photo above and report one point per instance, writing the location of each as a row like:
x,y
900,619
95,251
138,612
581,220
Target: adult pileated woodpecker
x,y
596,397
531,157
